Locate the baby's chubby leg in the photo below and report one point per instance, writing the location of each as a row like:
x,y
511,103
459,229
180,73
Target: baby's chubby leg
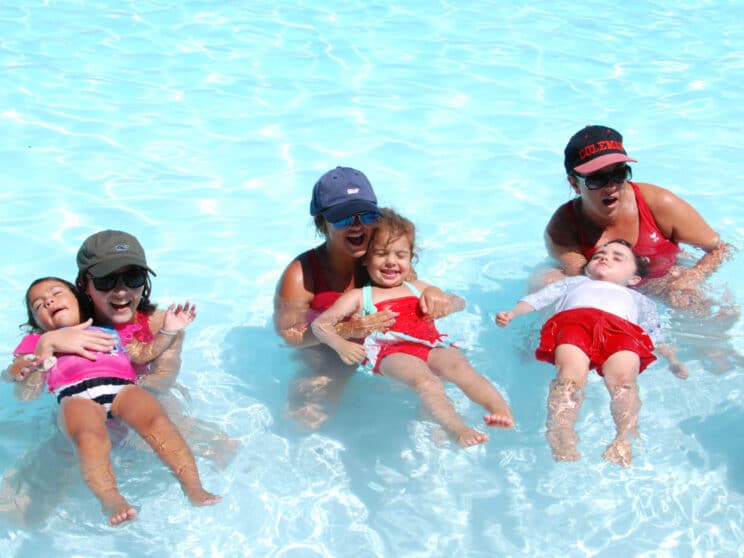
x,y
452,365
84,422
620,374
138,408
564,401
414,373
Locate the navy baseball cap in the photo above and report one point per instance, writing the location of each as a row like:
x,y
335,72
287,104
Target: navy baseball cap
x,y
593,148
340,193
106,251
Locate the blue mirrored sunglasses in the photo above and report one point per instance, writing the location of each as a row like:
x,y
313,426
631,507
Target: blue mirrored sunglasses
x,y
363,218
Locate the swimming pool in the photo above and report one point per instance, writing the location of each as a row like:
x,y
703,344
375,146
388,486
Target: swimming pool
x,y
201,127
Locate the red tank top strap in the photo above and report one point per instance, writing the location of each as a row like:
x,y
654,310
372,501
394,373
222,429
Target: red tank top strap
x,y
324,297
660,251
646,221
319,280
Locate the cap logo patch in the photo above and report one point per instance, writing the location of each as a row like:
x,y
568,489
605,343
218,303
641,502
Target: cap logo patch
x,y
599,146
352,190
121,248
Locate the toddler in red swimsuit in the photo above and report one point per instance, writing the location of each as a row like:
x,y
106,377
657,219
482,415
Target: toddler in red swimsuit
x,y
412,351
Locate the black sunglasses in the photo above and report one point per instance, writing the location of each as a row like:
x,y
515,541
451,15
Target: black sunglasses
x,y
599,180
132,278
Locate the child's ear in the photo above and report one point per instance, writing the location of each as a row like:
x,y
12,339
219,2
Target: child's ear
x,y
633,281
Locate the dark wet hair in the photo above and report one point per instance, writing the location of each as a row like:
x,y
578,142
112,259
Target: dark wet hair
x,y
320,225
81,282
640,261
395,226
31,326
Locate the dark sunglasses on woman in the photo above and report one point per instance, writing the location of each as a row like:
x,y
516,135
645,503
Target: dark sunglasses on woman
x,y
133,278
599,180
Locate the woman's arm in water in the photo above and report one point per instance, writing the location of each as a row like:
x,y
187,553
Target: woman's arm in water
x,y
679,221
76,340
163,368
562,244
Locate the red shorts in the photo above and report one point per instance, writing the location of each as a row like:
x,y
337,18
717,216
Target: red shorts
x,y
599,334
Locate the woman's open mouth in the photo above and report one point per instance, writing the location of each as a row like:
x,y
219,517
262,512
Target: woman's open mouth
x,y
610,201
356,240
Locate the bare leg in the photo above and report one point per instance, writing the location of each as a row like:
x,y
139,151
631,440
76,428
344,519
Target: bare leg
x,y
620,373
564,401
452,365
138,408
314,394
84,421
414,373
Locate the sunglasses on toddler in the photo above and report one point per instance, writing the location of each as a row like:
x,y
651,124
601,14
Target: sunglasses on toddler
x,y
363,218
132,278
599,180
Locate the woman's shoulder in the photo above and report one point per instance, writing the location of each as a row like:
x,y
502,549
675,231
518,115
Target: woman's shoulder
x,y
297,279
656,196
666,207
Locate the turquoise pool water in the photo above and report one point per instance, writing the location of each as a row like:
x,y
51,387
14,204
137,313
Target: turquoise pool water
x,y
201,127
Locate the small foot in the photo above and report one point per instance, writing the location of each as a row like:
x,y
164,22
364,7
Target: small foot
x,y
563,444
470,437
620,451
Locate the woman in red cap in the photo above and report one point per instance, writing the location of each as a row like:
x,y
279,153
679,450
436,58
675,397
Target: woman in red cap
x,y
345,210
609,205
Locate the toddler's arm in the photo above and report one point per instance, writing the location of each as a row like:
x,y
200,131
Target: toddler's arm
x,y
504,317
324,327
678,368
176,318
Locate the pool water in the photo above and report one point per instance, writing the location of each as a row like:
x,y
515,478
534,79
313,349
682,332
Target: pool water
x,y
201,127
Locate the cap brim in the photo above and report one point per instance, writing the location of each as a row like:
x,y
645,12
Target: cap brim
x,y
347,209
112,264
603,161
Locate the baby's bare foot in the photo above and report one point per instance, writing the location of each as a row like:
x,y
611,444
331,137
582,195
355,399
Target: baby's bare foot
x,y
200,497
499,413
470,437
500,420
620,451
118,511
563,444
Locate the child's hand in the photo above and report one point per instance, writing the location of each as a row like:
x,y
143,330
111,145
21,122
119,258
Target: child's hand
x,y
24,366
503,318
179,316
679,370
358,326
434,303
351,353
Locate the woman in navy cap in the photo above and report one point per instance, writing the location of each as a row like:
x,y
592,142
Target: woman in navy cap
x,y
345,210
609,206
